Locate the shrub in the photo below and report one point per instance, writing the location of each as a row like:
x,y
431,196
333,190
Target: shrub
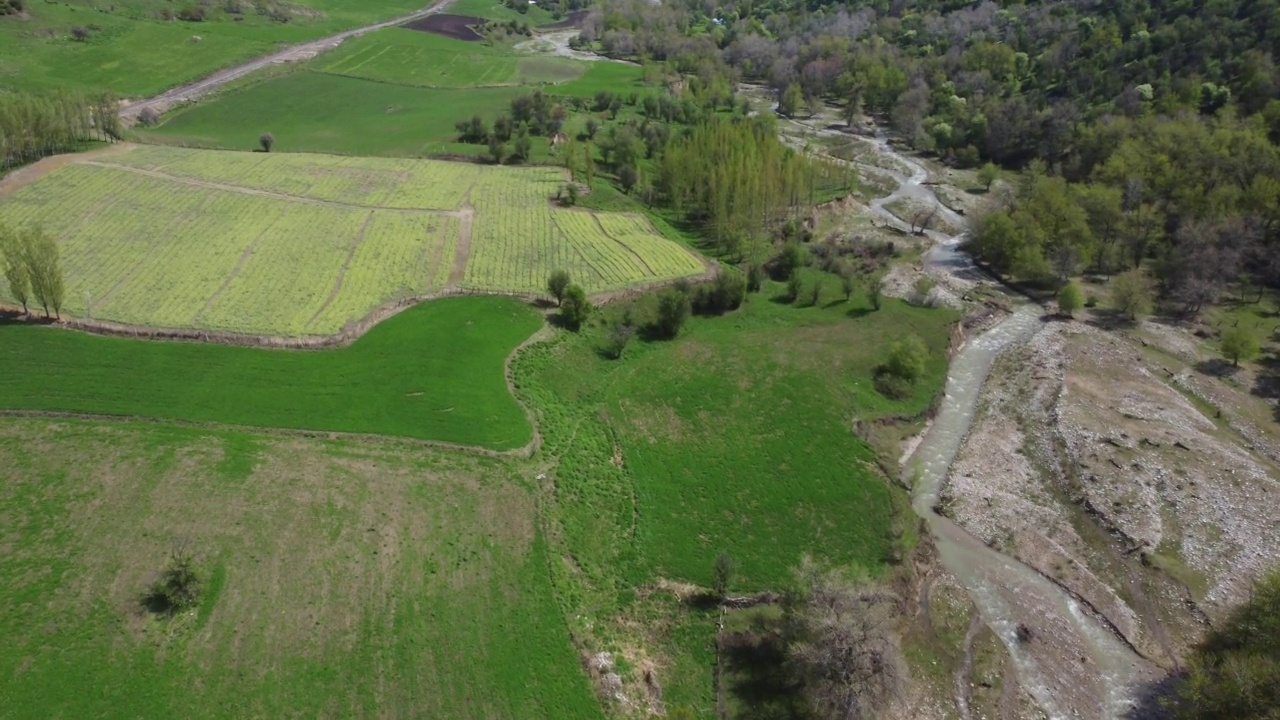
x,y
557,282
149,116
267,141
178,587
673,310
755,278
575,308
1131,293
906,364
874,291
791,258
815,292
721,295
193,13
1069,299
618,339
793,287
924,286
1238,343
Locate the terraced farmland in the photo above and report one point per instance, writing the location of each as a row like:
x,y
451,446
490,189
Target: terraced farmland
x,y
305,244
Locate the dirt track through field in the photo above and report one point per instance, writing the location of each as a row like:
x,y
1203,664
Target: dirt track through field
x,y
130,111
210,185
342,272
461,255
622,245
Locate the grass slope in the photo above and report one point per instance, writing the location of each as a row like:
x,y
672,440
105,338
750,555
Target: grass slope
x,y
432,372
734,438
317,112
134,53
409,57
340,580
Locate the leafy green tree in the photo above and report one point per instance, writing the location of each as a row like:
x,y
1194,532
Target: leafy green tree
x,y
267,141
907,358
875,292
523,147
497,149
673,310
721,574
794,285
1069,299
1235,672
13,254
619,337
575,308
179,585
848,282
627,177
1239,343
791,101
557,283
1131,293
988,174
44,269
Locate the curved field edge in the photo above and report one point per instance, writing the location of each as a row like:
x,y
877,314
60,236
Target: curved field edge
x,y
181,240
436,372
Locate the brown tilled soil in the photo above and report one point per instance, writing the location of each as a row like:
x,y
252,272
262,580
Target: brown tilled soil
x,y
458,27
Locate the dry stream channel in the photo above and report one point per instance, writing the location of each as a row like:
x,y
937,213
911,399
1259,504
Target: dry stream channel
x,y
1007,593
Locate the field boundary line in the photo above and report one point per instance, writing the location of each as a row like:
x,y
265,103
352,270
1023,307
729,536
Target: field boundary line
x,y
342,271
524,452
19,178
351,333
257,192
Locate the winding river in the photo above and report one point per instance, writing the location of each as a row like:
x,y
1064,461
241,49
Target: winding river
x,y
1103,671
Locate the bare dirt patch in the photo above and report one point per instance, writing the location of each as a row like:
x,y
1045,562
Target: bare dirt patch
x,y
458,27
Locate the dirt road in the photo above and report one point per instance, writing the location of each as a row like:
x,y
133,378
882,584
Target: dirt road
x,y
130,111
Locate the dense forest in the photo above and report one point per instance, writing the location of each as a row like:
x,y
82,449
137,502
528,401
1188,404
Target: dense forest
x,y
1144,131
34,125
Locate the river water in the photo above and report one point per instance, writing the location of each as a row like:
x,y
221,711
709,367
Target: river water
x,y
1104,671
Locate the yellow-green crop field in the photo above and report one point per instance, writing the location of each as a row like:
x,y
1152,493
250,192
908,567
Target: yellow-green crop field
x,y
287,244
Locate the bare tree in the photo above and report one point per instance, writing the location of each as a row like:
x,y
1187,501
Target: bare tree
x,y
842,643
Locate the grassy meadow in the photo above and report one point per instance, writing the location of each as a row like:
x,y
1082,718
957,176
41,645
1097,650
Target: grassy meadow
x,y
410,57
736,437
135,53
432,372
339,579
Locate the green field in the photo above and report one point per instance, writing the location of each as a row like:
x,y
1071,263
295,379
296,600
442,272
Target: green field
x,y
434,372
320,112
135,53
734,438
340,580
409,57
175,238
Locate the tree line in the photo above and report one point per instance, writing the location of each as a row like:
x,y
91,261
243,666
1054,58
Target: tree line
x,y
32,268
36,125
1194,203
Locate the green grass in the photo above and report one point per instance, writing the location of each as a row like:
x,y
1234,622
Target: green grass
x,y
315,112
409,57
135,54
339,580
433,372
736,438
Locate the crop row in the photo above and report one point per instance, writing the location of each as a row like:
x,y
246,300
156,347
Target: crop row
x,y
399,255
148,251
372,182
425,66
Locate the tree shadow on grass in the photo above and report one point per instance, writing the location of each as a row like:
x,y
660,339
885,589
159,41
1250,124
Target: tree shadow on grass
x,y
1216,367
755,673
1107,319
